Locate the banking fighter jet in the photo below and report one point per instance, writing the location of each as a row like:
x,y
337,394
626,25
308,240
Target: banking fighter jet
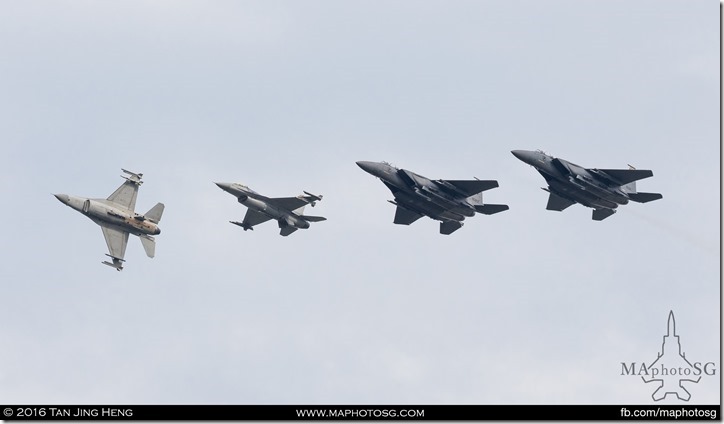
x,y
448,201
288,211
600,189
117,218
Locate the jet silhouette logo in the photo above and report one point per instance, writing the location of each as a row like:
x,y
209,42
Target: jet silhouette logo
x,y
671,370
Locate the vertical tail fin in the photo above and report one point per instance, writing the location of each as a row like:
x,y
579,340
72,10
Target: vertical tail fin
x,y
630,187
154,214
476,199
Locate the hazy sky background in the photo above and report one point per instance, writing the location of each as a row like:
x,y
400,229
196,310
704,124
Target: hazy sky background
x,y
526,306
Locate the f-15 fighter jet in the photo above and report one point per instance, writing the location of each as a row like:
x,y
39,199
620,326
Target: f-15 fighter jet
x,y
448,201
288,211
600,189
117,218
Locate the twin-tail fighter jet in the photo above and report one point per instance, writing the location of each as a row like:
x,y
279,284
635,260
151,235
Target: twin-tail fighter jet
x,y
288,211
600,189
117,218
448,201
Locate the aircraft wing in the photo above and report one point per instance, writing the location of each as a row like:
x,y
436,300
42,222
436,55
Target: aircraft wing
x,y
117,241
558,203
289,203
253,218
405,216
467,188
125,195
625,176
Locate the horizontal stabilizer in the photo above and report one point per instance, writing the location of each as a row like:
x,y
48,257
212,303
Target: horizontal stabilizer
x,y
312,218
286,230
449,227
468,188
625,176
154,214
558,203
149,245
489,209
644,197
601,214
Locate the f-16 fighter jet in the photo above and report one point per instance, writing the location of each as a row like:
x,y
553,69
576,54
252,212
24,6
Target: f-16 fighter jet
x,y
288,211
448,201
117,218
600,189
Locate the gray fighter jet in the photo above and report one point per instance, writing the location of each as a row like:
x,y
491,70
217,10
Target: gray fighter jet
x,y
448,201
117,218
288,211
600,189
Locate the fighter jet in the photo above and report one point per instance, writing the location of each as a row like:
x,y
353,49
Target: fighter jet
x,y
600,189
448,201
288,211
117,218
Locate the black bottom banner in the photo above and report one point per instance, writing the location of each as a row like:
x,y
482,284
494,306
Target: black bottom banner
x,y
360,412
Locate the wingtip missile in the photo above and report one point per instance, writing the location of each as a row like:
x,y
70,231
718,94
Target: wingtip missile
x,y
132,176
314,196
117,263
242,225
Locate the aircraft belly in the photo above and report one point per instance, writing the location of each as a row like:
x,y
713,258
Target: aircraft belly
x,y
102,217
605,194
263,208
450,215
417,203
584,197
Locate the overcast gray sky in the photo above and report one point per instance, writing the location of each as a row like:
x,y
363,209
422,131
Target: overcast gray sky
x,y
526,306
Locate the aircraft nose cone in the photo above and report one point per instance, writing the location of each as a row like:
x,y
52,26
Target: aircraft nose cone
x,y
62,197
367,166
525,155
518,153
224,186
157,232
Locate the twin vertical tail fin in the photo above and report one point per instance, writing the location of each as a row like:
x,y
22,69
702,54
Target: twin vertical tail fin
x,y
476,199
630,188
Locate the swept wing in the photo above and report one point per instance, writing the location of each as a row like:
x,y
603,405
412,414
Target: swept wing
x,y
125,195
558,203
117,241
405,216
289,203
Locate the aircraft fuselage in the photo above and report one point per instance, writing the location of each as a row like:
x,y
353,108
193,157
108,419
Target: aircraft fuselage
x,y
102,212
574,182
420,193
261,204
